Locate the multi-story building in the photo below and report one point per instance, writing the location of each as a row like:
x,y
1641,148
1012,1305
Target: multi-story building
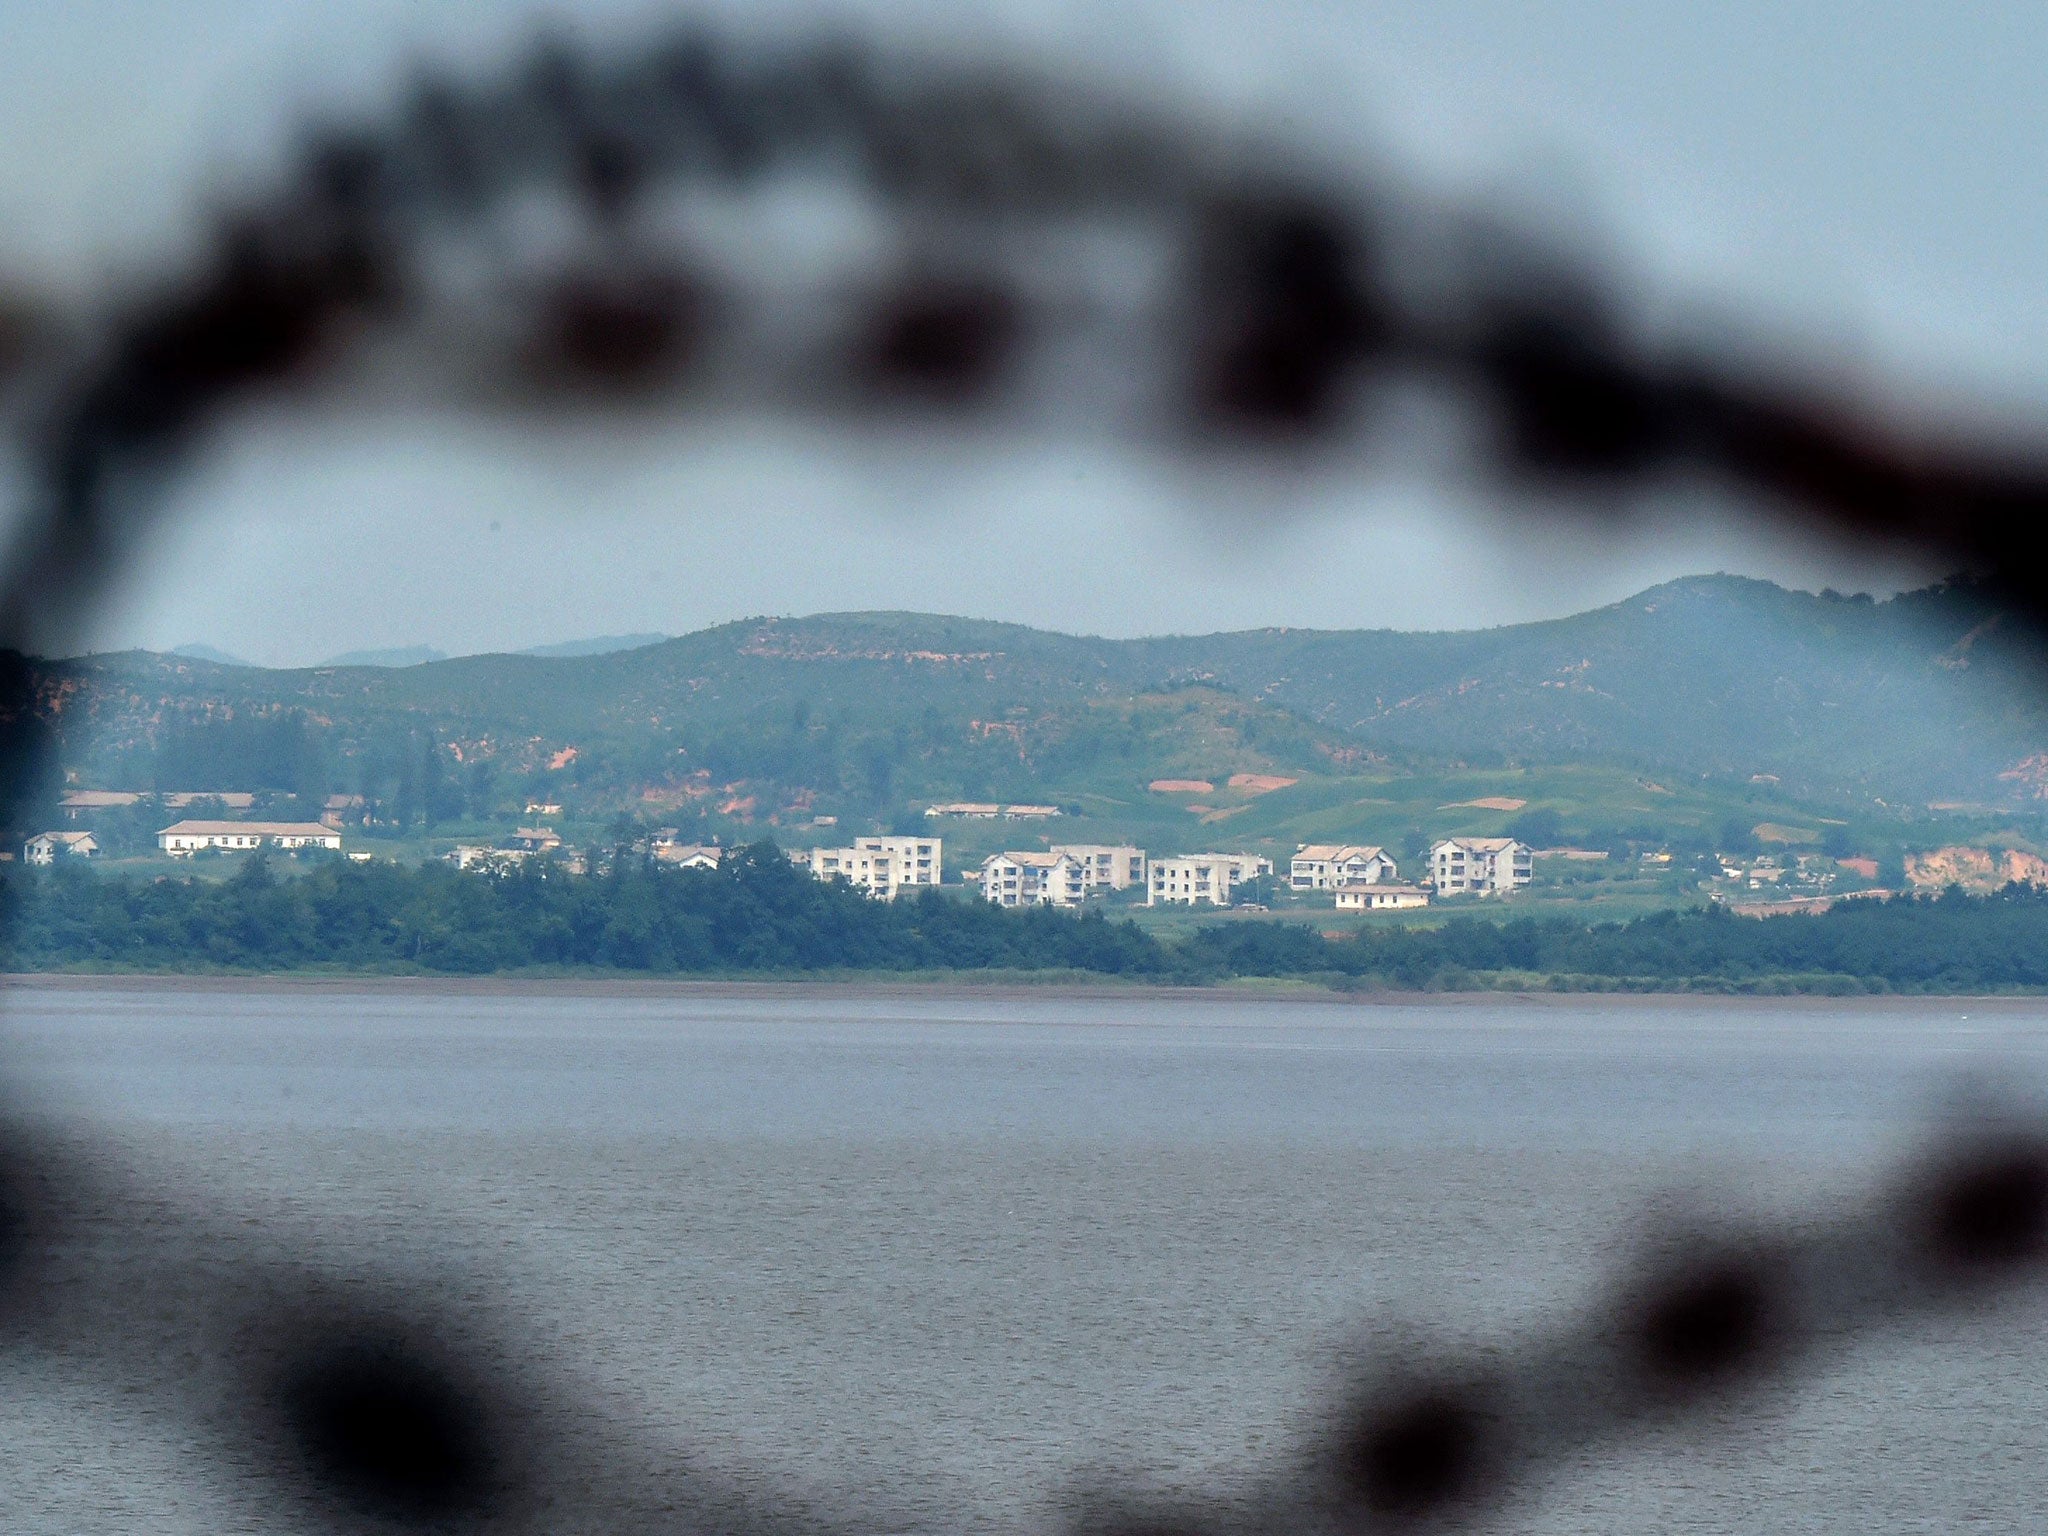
x,y
1479,866
1243,866
1325,866
917,858
872,872
881,866
1106,866
1196,879
1033,880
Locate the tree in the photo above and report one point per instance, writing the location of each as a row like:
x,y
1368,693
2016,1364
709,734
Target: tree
x,y
441,796
1738,837
405,798
481,790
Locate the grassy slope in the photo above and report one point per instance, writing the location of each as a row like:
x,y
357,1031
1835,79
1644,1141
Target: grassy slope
x,y
1655,713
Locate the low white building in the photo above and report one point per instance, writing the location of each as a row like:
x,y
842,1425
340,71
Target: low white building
x,y
1198,879
1033,880
976,810
1380,898
1106,866
49,847
185,838
1480,866
1325,866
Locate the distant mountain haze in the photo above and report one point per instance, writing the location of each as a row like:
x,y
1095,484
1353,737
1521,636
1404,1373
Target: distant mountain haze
x,y
599,645
394,656
1929,697
419,655
200,652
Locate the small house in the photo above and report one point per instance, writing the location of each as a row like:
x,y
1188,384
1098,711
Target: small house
x,y
49,847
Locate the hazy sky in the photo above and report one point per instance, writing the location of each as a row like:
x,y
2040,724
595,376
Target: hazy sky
x,y
1866,176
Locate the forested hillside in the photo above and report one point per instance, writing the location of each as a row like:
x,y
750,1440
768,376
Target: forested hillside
x,y
1927,698
756,914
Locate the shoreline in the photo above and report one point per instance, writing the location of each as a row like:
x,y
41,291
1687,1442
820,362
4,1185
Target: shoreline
x,y
627,987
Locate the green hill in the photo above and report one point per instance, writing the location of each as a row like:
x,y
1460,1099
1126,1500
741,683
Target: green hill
x,y
1696,702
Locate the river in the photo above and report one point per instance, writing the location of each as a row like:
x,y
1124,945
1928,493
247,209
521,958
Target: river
x,y
949,1256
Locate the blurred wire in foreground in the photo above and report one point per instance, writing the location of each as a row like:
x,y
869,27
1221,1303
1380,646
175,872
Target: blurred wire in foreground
x,y
566,235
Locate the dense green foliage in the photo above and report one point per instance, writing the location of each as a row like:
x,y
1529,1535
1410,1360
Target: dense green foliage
x,y
758,914
275,751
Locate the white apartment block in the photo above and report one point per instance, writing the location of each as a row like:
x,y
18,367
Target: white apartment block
x,y
881,866
872,872
1032,880
1202,878
1325,866
917,858
184,838
1479,866
1380,897
1106,866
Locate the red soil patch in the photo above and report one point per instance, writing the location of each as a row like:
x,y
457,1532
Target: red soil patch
x,y
1260,783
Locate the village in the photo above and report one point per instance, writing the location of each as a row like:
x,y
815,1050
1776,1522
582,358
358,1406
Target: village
x,y
1355,878
1361,877
1069,875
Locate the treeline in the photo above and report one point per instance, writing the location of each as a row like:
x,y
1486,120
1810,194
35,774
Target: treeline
x,y
758,915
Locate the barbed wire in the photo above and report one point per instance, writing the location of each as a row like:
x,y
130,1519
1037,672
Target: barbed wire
x,y
553,237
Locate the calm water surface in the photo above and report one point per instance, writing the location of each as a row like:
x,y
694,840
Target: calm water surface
x,y
954,1257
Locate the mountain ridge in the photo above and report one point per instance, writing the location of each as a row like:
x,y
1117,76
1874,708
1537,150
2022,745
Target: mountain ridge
x,y
1927,697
